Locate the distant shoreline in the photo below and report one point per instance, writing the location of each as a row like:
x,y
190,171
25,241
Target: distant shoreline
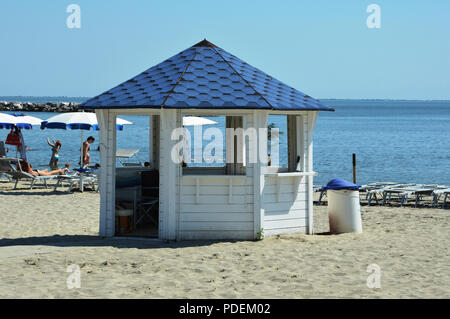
x,y
60,104
59,107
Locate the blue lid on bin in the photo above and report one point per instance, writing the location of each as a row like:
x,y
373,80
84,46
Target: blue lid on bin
x,y
339,183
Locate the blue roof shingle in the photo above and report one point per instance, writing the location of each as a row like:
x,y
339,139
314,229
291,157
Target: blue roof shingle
x,y
205,77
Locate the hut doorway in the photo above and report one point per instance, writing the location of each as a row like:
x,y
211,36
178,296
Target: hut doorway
x,y
137,178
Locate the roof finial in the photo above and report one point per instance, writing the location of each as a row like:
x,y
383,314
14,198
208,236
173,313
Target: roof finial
x,y
204,43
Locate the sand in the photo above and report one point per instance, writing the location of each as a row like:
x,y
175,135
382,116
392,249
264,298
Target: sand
x,y
42,233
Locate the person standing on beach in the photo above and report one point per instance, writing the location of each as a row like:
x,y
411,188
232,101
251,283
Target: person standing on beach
x,y
56,146
86,149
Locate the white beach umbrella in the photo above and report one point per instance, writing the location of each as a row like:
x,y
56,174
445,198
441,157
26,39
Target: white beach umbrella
x,y
78,121
195,120
192,121
21,121
18,119
6,121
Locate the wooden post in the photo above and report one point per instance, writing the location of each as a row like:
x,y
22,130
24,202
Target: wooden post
x,y
354,168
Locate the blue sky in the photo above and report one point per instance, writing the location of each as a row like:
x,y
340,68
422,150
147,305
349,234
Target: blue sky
x,y
323,48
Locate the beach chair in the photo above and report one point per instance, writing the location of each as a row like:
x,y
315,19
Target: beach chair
x,y
406,191
70,179
373,190
79,180
6,168
441,191
316,189
446,194
18,174
127,154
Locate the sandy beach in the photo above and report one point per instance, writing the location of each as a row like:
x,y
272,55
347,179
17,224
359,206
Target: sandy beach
x,y
42,233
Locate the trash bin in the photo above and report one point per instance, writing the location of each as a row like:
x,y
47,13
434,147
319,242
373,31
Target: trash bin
x,y
344,213
124,221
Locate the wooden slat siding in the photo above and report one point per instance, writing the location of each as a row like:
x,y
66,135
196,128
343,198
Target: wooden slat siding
x,y
216,209
213,199
221,217
212,210
216,235
288,185
168,177
217,226
286,210
281,215
219,190
285,206
211,215
284,197
107,122
286,223
219,180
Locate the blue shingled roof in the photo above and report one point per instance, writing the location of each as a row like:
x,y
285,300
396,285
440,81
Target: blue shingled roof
x,y
205,77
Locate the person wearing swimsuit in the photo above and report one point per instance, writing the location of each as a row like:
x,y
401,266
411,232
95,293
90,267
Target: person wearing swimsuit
x,y
26,167
86,149
56,146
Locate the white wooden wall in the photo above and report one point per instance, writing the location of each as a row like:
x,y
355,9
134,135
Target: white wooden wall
x,y
216,207
285,205
288,200
220,206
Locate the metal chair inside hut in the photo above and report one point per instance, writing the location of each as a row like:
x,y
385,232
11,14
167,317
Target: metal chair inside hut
x,y
147,205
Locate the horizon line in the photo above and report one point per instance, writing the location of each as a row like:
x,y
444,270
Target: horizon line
x,y
329,98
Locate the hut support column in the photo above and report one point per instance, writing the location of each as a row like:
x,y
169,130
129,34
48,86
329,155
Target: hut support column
x,y
312,116
107,133
168,176
259,168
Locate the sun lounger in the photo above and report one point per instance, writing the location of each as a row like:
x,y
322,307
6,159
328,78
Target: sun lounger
x,y
78,180
81,181
406,191
128,153
5,168
10,168
441,191
446,194
18,175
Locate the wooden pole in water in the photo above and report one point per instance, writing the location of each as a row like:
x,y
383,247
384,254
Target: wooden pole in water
x,y
354,167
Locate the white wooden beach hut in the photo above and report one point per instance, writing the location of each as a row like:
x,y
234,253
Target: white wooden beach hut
x,y
241,198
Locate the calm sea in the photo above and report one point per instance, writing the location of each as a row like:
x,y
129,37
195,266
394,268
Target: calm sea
x,y
400,141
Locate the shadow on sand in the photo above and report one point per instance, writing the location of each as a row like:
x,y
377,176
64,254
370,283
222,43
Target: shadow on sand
x,y
96,241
